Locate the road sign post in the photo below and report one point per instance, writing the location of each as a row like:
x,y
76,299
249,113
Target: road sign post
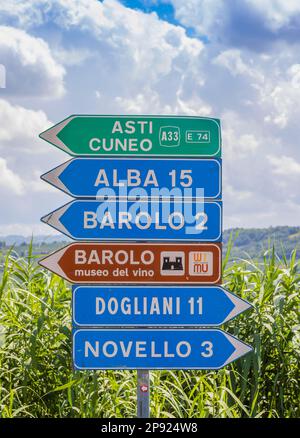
x,y
147,271
143,393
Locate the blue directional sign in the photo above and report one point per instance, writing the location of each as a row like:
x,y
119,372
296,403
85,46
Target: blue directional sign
x,y
132,178
155,349
98,306
139,220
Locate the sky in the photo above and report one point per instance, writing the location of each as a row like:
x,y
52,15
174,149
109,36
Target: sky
x,y
237,60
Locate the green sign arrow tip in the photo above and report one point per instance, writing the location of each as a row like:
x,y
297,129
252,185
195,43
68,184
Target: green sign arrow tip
x,y
51,135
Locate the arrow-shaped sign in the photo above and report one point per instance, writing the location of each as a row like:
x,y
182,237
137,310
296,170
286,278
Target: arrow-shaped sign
x,y
133,263
100,306
155,349
139,220
138,178
136,136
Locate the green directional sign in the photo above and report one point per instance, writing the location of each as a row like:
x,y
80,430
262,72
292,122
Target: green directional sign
x,y
137,136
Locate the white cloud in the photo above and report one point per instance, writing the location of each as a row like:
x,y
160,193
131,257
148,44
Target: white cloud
x,y
284,165
248,23
131,53
278,13
118,60
234,62
63,13
23,155
72,56
281,95
202,15
20,127
268,85
26,230
240,139
9,181
30,67
149,103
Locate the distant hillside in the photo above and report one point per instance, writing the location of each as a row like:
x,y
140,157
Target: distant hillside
x,y
247,241
255,241
18,240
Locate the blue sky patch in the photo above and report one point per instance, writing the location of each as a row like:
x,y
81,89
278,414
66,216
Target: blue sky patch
x,y
164,10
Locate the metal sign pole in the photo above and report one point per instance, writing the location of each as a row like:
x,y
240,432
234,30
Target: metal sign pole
x,y
143,394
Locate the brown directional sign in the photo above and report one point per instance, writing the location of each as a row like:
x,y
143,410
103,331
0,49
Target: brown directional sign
x,y
137,263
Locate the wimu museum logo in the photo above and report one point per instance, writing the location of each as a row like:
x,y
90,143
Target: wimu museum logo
x,y
2,76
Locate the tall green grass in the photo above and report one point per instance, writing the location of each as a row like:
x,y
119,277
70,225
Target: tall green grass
x,y
37,380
